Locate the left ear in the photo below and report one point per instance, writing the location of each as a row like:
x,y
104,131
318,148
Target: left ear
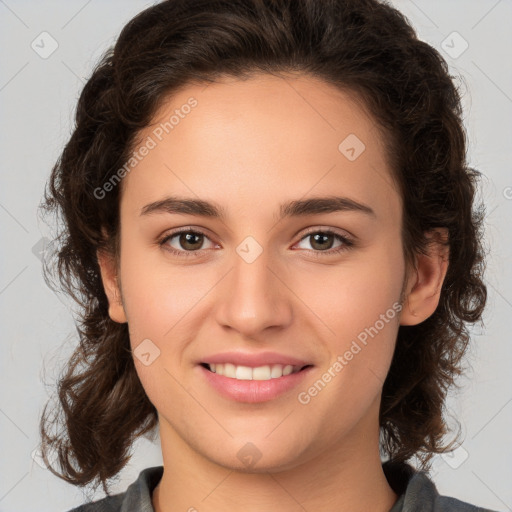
x,y
109,278
426,279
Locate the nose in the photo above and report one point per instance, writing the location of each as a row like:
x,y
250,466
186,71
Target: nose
x,y
254,297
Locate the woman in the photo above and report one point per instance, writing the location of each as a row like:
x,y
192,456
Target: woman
x,y
269,225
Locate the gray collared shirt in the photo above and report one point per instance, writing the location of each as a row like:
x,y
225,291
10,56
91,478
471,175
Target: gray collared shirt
x,y
417,493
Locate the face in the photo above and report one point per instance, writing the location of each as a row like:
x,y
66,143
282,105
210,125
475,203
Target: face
x,y
262,276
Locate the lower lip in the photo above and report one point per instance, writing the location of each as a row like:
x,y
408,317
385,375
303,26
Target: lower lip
x,y
253,391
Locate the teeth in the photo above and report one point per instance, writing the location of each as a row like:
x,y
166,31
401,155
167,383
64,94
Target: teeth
x,y
264,373
259,373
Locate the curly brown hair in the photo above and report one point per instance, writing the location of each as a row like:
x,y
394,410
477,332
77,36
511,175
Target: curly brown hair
x,y
364,46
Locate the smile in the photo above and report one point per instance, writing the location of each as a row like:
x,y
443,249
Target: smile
x,y
265,372
252,384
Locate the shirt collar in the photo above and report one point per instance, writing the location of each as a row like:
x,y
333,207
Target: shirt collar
x,y
411,487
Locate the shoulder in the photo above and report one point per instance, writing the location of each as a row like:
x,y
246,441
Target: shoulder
x,y
107,504
418,492
421,490
136,497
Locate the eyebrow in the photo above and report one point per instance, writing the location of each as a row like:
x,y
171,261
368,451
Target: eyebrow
x,y
296,208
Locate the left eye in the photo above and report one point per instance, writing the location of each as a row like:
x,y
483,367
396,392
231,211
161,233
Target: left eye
x,y
188,240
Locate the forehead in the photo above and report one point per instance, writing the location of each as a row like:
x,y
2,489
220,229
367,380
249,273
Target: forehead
x,y
243,141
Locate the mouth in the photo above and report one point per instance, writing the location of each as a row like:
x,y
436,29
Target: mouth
x,y
253,384
261,373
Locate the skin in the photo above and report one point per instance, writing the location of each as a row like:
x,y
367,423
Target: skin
x,y
249,146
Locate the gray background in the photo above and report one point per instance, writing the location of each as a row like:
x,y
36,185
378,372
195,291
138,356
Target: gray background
x,y
37,99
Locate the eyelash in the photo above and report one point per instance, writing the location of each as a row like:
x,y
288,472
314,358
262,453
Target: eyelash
x,y
347,243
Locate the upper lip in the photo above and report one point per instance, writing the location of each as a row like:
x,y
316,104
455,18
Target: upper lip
x,y
254,360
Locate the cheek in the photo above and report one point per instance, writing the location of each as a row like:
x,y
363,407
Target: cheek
x,y
359,305
352,296
156,295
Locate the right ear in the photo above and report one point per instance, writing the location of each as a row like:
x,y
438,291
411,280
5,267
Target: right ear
x,y
111,286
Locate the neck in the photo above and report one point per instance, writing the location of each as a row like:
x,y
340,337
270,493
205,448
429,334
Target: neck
x,y
348,477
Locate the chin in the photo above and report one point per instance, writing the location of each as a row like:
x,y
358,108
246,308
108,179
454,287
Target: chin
x,y
257,455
